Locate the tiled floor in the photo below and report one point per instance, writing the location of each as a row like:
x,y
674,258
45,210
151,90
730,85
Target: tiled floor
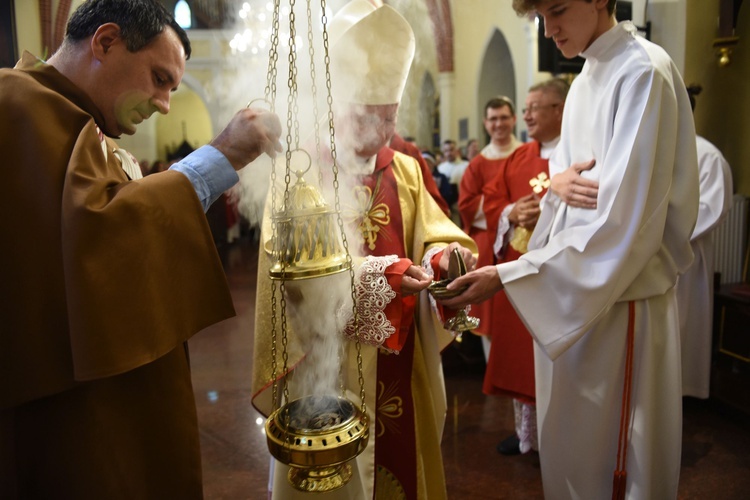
x,y
716,443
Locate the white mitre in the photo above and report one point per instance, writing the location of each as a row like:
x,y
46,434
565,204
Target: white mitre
x,y
371,50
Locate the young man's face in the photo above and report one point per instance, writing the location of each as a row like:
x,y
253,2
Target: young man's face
x,y
499,123
134,85
573,24
543,115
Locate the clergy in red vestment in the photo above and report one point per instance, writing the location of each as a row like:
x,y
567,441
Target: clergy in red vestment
x,y
499,121
512,209
397,236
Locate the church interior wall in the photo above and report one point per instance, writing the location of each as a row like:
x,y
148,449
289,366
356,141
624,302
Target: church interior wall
x,y
686,28
723,107
188,121
497,76
411,120
668,28
474,23
28,24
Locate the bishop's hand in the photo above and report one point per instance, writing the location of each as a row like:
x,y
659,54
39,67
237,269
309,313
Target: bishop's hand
x,y
415,280
469,260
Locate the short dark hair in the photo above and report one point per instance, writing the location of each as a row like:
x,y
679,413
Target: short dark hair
x,y
523,7
140,21
500,102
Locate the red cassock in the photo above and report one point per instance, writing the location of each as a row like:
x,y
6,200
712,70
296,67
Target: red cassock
x,y
510,368
474,185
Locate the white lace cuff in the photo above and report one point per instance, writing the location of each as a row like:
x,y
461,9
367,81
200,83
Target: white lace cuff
x,y
428,269
373,294
429,254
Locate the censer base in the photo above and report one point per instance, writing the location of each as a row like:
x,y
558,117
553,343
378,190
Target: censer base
x,y
317,436
462,322
320,480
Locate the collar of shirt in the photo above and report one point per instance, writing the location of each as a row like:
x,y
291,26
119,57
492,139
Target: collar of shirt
x,y
548,148
602,44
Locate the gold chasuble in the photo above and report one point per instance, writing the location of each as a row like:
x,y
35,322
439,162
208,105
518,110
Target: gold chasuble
x,y
397,221
104,278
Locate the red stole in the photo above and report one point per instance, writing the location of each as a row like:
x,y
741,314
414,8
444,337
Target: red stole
x,y
395,438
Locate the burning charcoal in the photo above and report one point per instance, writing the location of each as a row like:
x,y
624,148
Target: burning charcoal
x,y
325,421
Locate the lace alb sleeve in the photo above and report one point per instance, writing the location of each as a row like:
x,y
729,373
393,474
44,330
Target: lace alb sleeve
x,y
373,294
429,254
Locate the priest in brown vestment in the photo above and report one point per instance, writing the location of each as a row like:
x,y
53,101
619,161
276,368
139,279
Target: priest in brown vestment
x,y
105,275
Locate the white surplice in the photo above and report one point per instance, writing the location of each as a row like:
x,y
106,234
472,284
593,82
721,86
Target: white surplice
x,y
628,110
695,297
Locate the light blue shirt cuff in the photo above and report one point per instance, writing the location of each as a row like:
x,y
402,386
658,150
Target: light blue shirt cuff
x,y
209,172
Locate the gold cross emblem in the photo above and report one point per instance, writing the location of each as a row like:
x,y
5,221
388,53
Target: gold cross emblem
x,y
539,183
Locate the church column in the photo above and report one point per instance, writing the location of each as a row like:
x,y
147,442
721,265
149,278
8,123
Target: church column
x,y
442,26
446,87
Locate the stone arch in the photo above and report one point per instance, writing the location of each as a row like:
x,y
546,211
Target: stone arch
x,y
189,118
497,76
442,27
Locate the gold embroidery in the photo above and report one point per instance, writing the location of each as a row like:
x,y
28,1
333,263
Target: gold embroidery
x,y
369,216
387,485
389,409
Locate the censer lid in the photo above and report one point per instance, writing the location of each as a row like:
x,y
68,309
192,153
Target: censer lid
x,y
307,241
304,199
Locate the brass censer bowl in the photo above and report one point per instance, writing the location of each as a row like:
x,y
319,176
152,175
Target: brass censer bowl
x,y
315,436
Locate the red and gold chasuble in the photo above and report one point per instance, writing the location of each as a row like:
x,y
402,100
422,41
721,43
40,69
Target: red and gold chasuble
x,y
399,223
510,367
381,227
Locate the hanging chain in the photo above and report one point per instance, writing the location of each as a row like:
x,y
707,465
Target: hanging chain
x,y
314,88
273,58
292,141
270,94
337,207
293,110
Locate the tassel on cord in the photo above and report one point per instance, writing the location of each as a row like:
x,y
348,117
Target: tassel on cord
x,y
620,479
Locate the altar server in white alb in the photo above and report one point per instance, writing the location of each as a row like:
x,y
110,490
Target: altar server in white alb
x,y
695,287
597,281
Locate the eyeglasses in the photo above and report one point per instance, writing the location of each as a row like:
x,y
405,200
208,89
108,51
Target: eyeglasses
x,y
536,107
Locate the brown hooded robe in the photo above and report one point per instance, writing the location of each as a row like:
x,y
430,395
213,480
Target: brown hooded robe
x,y
103,280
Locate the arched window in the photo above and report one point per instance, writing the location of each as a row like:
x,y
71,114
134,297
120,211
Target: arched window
x,y
183,15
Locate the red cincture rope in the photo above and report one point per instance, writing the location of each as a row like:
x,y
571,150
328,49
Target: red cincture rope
x,y
621,474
